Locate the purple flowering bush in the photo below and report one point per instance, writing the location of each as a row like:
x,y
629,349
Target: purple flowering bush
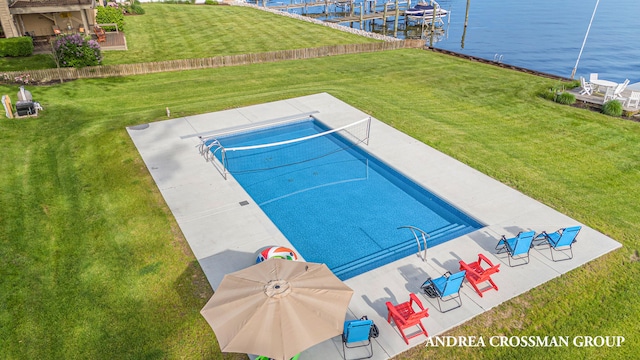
x,y
77,51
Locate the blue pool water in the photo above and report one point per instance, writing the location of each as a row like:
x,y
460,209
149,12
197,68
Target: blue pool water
x,y
344,207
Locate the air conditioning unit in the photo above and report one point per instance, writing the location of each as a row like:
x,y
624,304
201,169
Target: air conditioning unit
x,y
24,108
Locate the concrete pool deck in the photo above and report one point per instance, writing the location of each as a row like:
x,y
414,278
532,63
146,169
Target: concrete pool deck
x,y
224,235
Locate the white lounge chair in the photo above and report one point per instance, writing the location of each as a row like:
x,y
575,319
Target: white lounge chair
x,y
586,88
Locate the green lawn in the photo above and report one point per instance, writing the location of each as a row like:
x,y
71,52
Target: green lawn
x,y
95,267
171,32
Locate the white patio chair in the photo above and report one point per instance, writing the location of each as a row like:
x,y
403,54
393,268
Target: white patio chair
x,y
609,94
594,76
633,98
617,93
624,85
586,88
620,88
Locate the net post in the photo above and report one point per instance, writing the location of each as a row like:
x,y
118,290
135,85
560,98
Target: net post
x,y
368,129
223,157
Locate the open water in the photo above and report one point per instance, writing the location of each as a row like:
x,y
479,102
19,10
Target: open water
x,y
546,35
541,35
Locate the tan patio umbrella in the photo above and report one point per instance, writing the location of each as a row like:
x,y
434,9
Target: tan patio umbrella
x,y
277,308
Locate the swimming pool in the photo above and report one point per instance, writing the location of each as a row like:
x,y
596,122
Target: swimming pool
x,y
344,206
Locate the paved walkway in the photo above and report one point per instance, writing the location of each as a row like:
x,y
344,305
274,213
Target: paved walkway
x,y
224,235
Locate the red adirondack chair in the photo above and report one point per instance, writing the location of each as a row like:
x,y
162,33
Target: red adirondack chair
x,y
476,274
100,34
405,316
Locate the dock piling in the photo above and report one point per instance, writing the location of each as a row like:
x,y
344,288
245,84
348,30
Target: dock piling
x,y
395,22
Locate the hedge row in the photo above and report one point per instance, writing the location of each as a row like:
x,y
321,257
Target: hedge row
x,y
17,46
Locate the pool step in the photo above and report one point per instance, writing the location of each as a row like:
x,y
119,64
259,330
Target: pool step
x,y
399,251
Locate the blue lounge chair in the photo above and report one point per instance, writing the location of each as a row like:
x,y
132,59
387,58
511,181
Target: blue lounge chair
x,y
447,288
518,247
561,240
357,333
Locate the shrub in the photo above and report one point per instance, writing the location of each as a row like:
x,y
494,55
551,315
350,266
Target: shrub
x,y
566,98
210,2
136,9
77,51
612,108
552,92
17,46
128,7
548,94
109,15
183,2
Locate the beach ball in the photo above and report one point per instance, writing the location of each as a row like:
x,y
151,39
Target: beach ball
x,y
278,252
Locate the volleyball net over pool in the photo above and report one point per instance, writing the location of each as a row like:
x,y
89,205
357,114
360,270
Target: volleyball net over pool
x,y
279,144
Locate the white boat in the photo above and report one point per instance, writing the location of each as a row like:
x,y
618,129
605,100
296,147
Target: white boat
x,y
425,10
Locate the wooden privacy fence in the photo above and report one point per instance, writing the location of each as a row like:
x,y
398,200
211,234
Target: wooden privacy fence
x,y
47,75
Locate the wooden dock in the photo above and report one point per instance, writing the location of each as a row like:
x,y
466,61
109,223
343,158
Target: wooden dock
x,y
369,10
396,10
596,100
304,5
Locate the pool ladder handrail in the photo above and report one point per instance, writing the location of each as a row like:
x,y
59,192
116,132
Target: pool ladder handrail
x,y
208,151
424,235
